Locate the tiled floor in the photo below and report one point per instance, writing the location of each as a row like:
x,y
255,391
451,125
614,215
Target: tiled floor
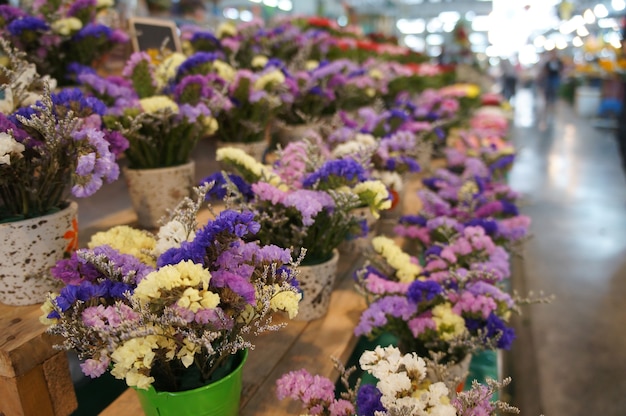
x,y
571,356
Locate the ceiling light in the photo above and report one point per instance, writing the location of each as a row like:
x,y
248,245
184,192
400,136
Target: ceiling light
x,y
285,5
577,42
600,11
539,41
582,31
589,16
618,5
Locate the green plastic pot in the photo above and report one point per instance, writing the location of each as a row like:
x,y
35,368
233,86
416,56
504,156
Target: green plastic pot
x,y
220,398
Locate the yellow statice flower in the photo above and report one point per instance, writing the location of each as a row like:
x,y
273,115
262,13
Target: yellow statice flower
x,y
226,29
183,274
127,240
406,271
46,308
311,65
187,352
449,324
225,71
166,70
270,78
152,105
467,191
210,125
245,161
374,194
194,299
67,26
376,73
286,300
104,4
259,61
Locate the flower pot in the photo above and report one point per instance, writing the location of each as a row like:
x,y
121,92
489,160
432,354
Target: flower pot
x,y
29,248
154,191
255,149
316,282
220,398
360,244
455,377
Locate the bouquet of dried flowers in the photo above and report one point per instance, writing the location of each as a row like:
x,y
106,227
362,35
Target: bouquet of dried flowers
x,y
169,310
53,149
56,34
402,388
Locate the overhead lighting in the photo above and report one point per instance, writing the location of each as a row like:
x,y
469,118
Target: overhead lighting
x,y
246,16
582,31
434,25
285,5
608,23
481,23
415,43
256,1
600,11
618,5
539,41
342,20
577,42
434,40
549,45
270,3
560,44
231,13
412,26
589,16
449,16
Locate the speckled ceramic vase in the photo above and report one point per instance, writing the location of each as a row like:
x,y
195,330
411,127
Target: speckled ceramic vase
x,y
316,282
29,248
154,191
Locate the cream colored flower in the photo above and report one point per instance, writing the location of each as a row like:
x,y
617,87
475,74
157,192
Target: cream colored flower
x,y
103,4
226,29
376,73
259,61
183,274
172,235
9,146
270,79
210,125
406,271
187,352
375,195
287,301
224,70
127,240
67,26
152,105
166,70
449,324
311,65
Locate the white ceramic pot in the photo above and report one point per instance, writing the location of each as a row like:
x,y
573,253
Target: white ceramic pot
x,y
29,248
316,282
361,244
155,191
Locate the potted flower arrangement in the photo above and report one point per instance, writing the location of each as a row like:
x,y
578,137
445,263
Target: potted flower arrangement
x,y
173,313
306,208
452,313
402,388
56,34
163,116
50,151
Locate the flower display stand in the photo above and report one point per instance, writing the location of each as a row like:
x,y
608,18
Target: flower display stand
x,y
34,378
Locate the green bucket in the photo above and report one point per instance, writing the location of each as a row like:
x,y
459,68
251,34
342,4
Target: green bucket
x,y
220,398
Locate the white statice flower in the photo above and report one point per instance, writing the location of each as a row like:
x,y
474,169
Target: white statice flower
x,y
415,366
394,385
9,146
391,179
67,26
171,235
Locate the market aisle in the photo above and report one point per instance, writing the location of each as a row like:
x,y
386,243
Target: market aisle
x,y
574,190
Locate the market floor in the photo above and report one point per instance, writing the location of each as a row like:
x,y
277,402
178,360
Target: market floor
x,y
570,358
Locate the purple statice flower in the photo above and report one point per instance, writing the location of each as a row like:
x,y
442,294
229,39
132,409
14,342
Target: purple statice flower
x,y
303,386
480,397
421,323
205,40
379,285
497,266
413,220
489,209
96,163
368,400
496,327
423,291
480,287
508,208
501,163
237,224
513,229
27,24
82,105
112,316
341,407
471,303
78,6
334,173
236,283
309,203
444,222
135,59
413,232
266,192
218,191
376,315
95,368
93,30
117,142
433,251
192,88
191,113
490,226
74,270
292,164
195,62
474,167
9,13
433,204
216,317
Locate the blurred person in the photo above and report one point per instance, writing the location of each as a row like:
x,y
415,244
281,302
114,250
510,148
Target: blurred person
x,y
551,78
509,78
621,127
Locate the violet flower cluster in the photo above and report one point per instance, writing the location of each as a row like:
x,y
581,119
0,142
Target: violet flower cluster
x,y
52,150
55,35
167,310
